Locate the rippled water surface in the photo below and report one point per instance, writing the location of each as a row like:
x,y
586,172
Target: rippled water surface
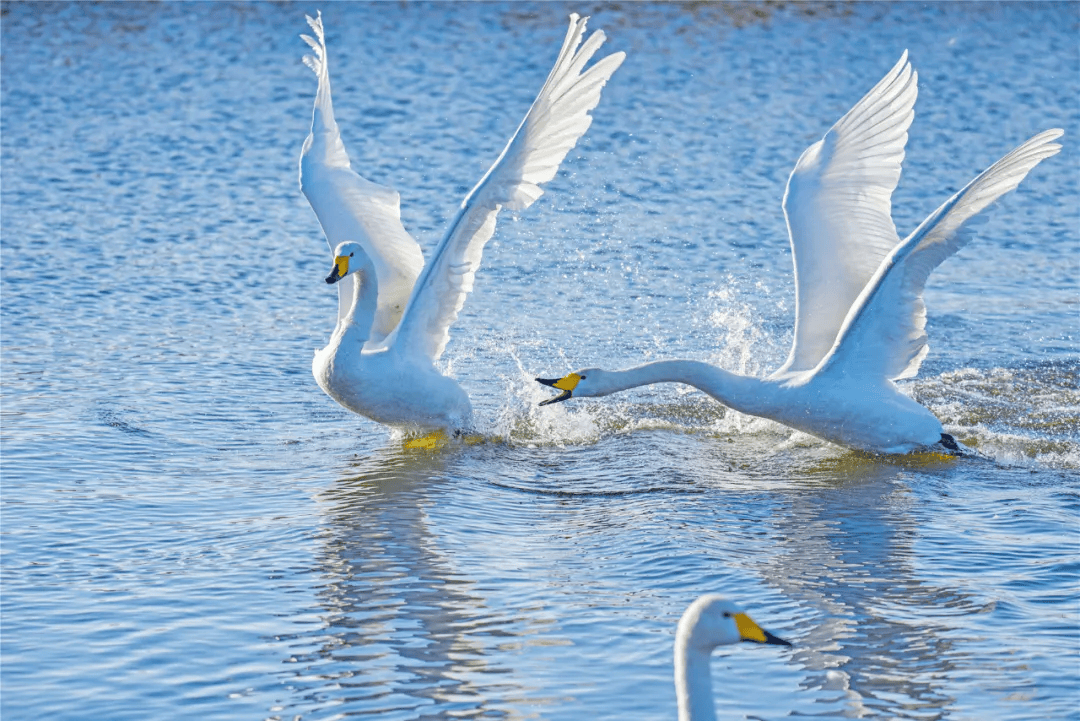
x,y
191,529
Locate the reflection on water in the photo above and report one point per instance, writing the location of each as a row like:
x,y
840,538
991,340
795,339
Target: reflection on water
x,y
191,529
417,615
847,552
398,622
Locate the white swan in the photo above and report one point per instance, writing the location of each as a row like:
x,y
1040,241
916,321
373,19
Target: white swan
x,y
395,312
859,314
708,622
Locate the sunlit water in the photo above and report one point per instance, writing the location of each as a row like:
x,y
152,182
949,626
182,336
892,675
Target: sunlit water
x,y
191,529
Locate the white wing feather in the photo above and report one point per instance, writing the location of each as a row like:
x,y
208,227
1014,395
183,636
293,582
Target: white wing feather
x,y
839,211
351,208
884,334
557,118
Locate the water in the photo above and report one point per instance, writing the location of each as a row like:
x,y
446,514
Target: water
x,y
191,529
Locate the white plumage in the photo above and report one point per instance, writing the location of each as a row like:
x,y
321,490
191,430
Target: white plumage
x,y
395,311
707,623
859,318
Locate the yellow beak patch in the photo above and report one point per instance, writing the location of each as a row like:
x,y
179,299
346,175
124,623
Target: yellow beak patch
x,y
568,383
342,263
748,630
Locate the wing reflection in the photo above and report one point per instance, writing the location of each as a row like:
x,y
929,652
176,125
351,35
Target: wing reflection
x,y
400,630
848,550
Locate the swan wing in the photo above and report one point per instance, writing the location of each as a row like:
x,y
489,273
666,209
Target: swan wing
x,y
884,334
839,211
350,207
557,118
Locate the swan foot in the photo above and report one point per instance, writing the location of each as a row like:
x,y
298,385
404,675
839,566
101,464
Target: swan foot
x,y
438,439
949,446
428,443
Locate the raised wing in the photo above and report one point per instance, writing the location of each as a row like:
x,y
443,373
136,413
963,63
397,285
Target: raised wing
x,y
351,208
884,334
839,211
557,118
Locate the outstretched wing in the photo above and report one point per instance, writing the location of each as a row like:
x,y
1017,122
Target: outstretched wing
x,y
351,208
884,334
557,118
839,211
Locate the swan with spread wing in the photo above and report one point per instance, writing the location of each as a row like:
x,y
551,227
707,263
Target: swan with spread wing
x,y
859,315
395,311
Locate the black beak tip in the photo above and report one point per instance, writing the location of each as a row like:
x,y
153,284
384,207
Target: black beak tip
x,y
548,381
775,640
561,397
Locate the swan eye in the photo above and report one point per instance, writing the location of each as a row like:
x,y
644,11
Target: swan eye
x,y
352,254
727,614
582,377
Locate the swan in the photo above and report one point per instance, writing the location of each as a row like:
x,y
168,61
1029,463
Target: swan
x,y
708,622
859,312
395,311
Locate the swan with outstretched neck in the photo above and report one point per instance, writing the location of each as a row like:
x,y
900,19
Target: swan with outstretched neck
x,y
395,311
859,314
708,622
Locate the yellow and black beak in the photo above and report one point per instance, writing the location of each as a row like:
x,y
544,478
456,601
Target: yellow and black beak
x,y
750,631
566,384
339,271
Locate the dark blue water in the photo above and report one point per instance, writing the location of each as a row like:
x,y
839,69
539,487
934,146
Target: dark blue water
x,y
189,528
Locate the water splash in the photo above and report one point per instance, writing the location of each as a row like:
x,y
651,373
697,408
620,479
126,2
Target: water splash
x,y
1018,416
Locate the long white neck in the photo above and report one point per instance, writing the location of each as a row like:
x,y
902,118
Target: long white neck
x,y
741,393
693,682
363,304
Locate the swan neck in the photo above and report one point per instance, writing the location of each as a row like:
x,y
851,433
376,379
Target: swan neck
x,y
693,683
363,304
742,393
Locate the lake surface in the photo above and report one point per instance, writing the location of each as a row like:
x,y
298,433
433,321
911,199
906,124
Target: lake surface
x,y
192,530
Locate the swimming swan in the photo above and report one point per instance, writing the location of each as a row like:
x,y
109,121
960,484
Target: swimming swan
x,y
395,312
859,312
708,622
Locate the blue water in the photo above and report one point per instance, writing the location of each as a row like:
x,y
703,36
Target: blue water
x,y
192,530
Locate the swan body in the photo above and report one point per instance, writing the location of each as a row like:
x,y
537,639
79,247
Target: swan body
x,y
395,311
859,317
708,622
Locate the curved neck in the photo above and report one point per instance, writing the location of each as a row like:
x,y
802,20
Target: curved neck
x,y
362,305
741,393
693,683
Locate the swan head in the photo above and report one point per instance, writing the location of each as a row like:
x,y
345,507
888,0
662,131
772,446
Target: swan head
x,y
586,383
713,621
348,258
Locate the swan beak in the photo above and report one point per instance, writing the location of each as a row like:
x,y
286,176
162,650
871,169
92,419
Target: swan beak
x,y
750,631
566,385
339,271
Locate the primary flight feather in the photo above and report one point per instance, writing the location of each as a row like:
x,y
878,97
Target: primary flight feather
x,y
395,311
859,316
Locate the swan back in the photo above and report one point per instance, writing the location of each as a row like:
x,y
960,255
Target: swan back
x,y
552,126
350,207
838,207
